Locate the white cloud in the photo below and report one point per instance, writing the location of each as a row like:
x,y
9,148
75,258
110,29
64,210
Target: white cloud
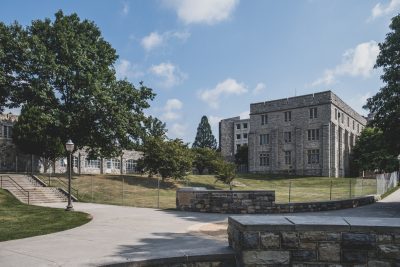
x,y
259,88
214,120
203,11
177,130
125,69
382,9
151,41
245,115
170,74
155,39
227,87
171,109
357,61
125,8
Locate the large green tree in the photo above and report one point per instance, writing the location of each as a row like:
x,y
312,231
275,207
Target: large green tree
x,y
385,105
168,158
204,137
65,69
204,158
371,153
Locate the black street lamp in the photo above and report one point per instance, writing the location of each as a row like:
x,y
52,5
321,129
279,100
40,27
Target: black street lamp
x,y
69,146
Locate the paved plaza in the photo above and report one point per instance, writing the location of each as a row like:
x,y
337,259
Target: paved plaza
x,y
118,234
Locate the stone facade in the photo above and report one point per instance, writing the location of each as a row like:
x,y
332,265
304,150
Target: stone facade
x,y
314,241
199,199
233,133
304,135
12,160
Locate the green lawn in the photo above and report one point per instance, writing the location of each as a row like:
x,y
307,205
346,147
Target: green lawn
x,y
18,220
141,191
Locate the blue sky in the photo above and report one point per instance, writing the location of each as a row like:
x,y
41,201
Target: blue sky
x,y
215,57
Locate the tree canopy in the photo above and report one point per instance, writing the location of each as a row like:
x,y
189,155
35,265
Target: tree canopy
x,y
204,137
385,105
168,158
63,71
205,158
371,153
242,155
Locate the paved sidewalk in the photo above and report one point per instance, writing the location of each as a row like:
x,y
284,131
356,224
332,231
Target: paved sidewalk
x,y
118,234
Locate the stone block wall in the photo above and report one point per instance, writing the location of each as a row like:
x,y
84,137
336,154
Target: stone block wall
x,y
258,201
315,241
224,201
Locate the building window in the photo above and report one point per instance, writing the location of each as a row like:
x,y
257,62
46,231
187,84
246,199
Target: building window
x,y
238,136
237,147
264,139
342,117
244,125
313,156
264,119
354,124
75,162
288,137
313,134
7,131
63,162
288,157
92,163
113,164
245,136
264,159
348,121
313,113
338,117
131,165
336,114
238,126
358,127
288,116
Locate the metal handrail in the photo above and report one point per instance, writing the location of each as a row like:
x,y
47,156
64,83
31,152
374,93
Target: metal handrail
x,y
21,189
66,186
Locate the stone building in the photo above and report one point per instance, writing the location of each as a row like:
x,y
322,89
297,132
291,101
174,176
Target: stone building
x,y
12,160
233,133
304,135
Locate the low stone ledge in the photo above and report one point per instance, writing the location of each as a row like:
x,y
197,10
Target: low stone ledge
x,y
255,202
312,240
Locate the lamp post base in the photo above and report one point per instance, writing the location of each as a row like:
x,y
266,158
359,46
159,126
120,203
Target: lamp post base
x,y
69,208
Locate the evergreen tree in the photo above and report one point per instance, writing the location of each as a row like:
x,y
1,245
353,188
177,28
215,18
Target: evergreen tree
x,y
204,136
385,105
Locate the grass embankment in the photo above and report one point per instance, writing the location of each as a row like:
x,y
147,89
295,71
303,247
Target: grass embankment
x,y
18,220
141,191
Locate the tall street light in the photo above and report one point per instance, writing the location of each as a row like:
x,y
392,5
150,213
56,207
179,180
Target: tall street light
x,y
69,146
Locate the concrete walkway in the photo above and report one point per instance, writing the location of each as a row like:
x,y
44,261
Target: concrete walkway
x,y
120,234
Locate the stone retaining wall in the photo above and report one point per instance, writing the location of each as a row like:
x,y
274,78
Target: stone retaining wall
x,y
315,241
251,202
224,201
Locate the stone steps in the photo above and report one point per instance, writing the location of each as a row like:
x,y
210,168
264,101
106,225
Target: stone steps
x,y
37,193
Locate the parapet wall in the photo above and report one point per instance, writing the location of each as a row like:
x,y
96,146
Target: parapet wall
x,y
253,202
315,241
224,201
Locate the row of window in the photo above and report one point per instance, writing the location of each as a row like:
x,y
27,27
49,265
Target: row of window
x,y
238,126
312,157
5,131
312,135
239,136
340,117
95,163
313,114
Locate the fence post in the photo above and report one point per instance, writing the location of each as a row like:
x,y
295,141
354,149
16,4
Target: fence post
x,y
158,193
122,190
350,188
91,186
362,186
290,189
330,191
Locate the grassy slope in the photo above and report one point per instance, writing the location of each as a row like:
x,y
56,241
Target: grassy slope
x,y
141,191
18,220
